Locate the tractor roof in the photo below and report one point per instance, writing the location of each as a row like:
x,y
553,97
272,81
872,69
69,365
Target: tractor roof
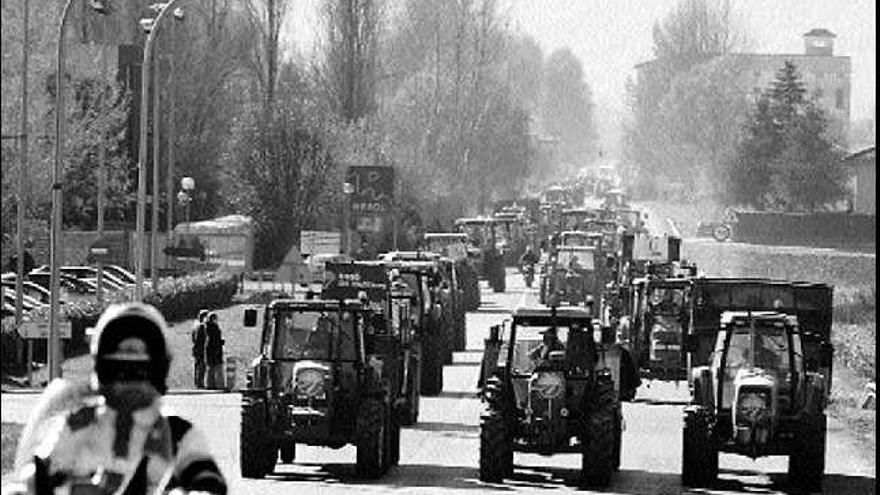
x,y
315,304
409,256
474,221
579,211
445,235
744,318
407,266
543,316
575,248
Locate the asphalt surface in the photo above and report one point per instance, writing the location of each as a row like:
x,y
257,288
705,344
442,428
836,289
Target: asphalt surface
x,y
440,453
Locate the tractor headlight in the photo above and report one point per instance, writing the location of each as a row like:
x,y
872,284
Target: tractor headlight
x,y
752,405
548,385
310,384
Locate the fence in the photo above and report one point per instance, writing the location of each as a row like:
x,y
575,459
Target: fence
x,y
806,229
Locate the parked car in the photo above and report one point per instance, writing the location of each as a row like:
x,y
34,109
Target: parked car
x,y
30,289
121,273
69,284
27,303
89,274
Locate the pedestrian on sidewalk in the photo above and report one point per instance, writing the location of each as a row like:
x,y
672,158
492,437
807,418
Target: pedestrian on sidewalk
x,y
214,352
198,336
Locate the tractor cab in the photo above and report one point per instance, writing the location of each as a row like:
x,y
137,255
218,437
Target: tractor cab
x,y
574,218
573,274
486,234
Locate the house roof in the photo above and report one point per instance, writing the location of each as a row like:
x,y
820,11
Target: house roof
x,y
820,32
866,151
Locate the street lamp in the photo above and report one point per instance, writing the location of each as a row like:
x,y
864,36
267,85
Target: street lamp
x,y
347,190
151,28
100,7
184,197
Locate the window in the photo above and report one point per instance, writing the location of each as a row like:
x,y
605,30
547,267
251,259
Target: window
x,y
839,100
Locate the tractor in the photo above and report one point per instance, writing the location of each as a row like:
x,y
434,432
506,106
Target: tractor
x,y
761,357
329,373
454,246
433,316
572,274
485,235
551,387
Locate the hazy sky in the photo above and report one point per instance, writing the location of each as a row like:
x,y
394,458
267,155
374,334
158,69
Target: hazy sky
x,y
610,36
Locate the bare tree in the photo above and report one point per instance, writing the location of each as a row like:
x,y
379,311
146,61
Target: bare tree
x,y
693,33
351,56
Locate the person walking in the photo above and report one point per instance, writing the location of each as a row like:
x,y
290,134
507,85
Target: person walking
x,y
214,352
198,336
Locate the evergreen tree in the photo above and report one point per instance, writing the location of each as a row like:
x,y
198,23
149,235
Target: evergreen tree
x,y
786,160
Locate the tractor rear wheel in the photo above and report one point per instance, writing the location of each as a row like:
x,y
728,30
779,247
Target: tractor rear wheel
x,y
699,457
496,451
394,443
287,449
618,437
409,414
432,366
257,454
372,432
806,463
598,440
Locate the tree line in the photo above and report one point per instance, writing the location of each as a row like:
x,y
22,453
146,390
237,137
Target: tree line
x,y
445,91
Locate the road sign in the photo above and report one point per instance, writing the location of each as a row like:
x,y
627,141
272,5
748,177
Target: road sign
x,y
372,189
346,280
369,223
320,242
40,329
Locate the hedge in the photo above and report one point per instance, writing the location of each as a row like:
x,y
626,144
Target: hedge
x,y
176,298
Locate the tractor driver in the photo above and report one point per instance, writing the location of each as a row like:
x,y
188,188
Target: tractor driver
x,y
551,342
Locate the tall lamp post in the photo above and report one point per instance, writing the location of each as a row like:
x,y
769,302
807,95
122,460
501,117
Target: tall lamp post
x,y
151,27
154,225
347,190
185,196
54,347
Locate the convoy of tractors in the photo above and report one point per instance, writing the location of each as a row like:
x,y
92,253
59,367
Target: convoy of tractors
x,y
618,306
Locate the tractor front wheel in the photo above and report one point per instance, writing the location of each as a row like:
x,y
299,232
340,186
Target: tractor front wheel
x,y
287,450
372,426
599,437
806,463
257,454
496,451
699,457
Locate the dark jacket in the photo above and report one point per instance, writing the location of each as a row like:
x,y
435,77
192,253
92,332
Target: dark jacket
x,y
213,343
199,337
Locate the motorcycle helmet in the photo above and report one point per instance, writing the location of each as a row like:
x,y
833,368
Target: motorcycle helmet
x,y
129,344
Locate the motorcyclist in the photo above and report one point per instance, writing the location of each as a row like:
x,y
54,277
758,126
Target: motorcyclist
x,y
529,257
122,400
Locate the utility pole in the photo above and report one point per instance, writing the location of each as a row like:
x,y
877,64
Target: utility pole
x,y
169,179
22,174
154,224
102,182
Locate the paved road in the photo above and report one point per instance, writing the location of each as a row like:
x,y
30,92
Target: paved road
x,y
440,453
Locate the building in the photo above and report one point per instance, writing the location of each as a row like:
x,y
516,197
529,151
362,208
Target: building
x,y
863,180
826,76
